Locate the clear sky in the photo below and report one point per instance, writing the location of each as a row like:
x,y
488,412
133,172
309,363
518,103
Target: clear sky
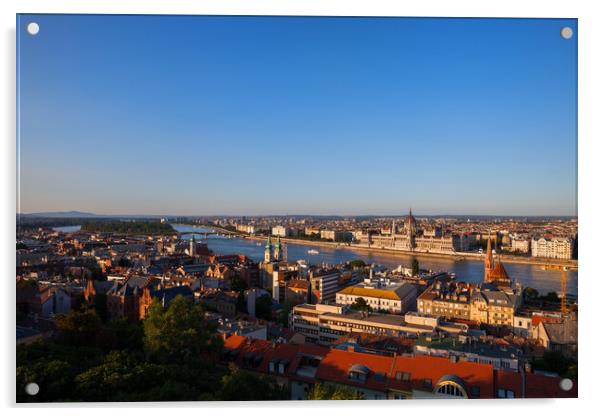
x,y
202,115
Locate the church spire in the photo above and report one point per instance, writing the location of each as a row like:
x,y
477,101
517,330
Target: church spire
x,y
267,257
488,260
278,250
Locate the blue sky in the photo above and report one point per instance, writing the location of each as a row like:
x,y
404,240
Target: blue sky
x,y
198,115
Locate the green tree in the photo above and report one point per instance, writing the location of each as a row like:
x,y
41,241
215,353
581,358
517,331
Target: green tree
x,y
239,384
179,334
78,327
556,362
530,294
322,391
551,297
360,304
121,335
415,267
357,263
55,378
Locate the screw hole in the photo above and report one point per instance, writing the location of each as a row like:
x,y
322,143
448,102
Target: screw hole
x,y
33,28
32,389
566,32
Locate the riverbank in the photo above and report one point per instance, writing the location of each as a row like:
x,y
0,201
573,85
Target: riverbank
x,y
570,264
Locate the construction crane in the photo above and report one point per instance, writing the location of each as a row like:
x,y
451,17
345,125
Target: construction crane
x,y
563,270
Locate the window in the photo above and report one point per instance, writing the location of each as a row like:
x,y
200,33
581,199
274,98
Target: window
x,y
505,394
475,391
450,390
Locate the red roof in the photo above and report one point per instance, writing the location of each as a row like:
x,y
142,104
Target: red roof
x,y
549,319
404,373
336,365
424,367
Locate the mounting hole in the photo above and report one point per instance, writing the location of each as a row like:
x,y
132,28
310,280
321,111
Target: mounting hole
x,y
32,389
566,32
33,28
566,384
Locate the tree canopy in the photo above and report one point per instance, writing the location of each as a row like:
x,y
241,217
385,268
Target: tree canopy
x,y
415,267
357,263
179,333
360,304
129,227
322,391
171,356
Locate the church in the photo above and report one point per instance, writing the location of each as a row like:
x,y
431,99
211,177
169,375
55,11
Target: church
x,y
494,273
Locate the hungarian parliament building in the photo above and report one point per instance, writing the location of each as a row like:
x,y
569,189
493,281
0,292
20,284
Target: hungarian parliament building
x,y
409,238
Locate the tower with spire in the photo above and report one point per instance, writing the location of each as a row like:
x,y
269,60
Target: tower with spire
x,y
488,261
495,272
267,257
410,228
192,248
278,250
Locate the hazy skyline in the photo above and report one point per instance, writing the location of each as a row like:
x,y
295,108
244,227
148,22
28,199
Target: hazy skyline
x,y
200,115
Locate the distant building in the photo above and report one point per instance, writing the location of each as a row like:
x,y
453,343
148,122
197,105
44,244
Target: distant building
x,y
552,248
409,238
280,231
463,301
557,335
521,245
220,301
324,284
381,295
494,272
335,235
325,324
123,299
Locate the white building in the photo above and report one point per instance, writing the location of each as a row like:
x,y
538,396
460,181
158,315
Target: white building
x,y
521,246
280,231
552,248
381,294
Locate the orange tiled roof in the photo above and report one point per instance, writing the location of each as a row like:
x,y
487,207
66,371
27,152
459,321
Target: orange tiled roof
x,y
499,272
335,365
370,293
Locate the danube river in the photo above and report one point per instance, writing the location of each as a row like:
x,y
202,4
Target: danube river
x,y
467,270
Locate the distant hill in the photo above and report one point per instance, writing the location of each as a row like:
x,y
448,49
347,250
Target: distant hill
x,y
62,214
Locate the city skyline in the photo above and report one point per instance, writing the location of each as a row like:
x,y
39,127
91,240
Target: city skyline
x,y
217,115
400,214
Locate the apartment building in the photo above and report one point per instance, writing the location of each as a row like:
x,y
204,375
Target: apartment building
x,y
381,295
325,324
459,300
373,376
552,248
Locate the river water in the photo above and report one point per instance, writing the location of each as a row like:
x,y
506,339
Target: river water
x,y
467,270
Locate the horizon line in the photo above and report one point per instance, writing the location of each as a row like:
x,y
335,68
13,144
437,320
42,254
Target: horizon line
x,y
42,214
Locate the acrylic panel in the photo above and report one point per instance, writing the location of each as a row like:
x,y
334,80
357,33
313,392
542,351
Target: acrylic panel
x,y
295,208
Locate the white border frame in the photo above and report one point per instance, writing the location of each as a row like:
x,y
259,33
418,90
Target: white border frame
x,y
590,68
